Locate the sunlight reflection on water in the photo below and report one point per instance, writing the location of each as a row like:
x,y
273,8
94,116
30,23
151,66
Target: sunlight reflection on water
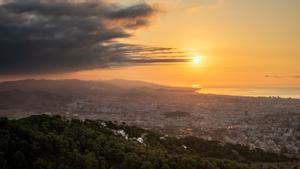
x,y
281,92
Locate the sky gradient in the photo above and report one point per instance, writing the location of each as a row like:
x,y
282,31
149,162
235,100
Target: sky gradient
x,y
240,43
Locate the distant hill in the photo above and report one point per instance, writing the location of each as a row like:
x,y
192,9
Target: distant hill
x,y
56,86
132,83
44,142
53,95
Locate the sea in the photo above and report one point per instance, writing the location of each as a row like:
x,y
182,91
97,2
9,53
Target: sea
x,y
283,92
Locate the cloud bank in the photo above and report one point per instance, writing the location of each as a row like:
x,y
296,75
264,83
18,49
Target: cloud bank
x,y
39,36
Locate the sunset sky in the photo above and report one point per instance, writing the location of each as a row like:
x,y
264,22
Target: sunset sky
x,y
212,43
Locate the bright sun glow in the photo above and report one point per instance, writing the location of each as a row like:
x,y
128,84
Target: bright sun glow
x,y
196,60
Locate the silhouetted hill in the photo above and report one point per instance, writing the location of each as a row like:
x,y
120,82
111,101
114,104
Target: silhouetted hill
x,y
53,95
132,83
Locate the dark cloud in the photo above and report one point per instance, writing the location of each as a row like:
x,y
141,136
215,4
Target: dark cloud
x,y
39,36
136,11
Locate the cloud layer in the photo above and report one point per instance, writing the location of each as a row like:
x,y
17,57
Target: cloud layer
x,y
40,36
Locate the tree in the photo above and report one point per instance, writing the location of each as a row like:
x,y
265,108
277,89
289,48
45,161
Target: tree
x,y
18,161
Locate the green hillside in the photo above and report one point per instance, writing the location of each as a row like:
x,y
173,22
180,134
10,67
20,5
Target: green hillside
x,y
44,142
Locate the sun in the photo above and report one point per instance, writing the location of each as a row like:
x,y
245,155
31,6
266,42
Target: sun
x,y
196,60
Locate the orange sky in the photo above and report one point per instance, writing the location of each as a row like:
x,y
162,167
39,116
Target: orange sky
x,y
240,43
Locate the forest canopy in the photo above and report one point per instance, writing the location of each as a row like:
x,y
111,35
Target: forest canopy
x,y
46,142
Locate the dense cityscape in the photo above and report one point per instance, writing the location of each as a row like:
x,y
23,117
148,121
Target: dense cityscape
x,y
269,123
